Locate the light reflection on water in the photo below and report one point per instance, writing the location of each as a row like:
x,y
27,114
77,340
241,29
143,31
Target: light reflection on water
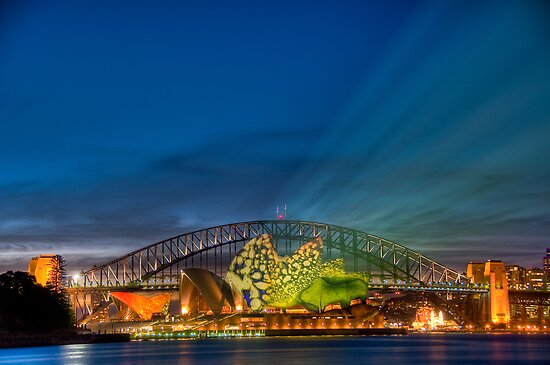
x,y
385,350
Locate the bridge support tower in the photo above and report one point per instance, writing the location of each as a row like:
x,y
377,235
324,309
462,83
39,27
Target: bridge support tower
x,y
491,273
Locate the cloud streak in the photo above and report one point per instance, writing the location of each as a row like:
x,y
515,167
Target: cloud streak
x,y
426,124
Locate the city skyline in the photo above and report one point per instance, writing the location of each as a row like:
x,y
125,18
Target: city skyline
x,y
425,123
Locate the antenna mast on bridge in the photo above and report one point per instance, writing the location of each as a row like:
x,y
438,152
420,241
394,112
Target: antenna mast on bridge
x,y
280,216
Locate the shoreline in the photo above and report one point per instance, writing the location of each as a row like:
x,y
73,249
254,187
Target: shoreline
x,y
338,332
34,340
38,340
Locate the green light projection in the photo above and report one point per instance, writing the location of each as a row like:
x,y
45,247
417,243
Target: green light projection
x,y
268,280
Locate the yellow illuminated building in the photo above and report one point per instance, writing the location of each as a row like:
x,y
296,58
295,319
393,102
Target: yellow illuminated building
x,y
536,279
516,276
40,267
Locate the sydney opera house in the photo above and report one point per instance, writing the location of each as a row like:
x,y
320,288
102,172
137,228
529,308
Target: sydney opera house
x,y
263,290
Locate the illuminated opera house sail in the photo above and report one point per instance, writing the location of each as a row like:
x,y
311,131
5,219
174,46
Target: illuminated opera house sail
x,y
258,278
216,294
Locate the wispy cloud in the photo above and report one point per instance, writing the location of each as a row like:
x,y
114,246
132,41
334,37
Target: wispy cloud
x,y
425,123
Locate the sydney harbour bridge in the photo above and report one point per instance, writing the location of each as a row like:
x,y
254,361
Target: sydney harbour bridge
x,y
392,267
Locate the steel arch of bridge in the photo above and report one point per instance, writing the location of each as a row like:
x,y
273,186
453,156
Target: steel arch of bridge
x,y
387,261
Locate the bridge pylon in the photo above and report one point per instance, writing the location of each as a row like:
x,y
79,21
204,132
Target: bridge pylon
x,y
493,308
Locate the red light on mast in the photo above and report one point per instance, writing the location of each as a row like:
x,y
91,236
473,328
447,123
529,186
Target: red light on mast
x,y
280,216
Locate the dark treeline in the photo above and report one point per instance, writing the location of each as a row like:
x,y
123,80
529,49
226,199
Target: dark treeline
x,y
26,306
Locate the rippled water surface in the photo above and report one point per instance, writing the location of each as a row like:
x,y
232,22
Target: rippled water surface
x,y
386,350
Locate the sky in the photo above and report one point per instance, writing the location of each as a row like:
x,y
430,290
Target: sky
x,y
424,122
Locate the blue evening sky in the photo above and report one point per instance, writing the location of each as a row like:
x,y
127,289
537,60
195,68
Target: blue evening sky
x,y
424,122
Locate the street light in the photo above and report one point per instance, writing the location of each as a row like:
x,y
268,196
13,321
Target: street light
x,y
76,277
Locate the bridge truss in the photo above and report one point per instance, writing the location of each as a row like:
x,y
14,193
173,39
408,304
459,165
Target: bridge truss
x,y
214,248
157,266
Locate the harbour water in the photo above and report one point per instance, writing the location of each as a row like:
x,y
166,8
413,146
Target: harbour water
x,y
386,350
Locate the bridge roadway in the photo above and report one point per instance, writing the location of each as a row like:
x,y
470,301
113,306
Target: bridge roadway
x,y
373,287
529,297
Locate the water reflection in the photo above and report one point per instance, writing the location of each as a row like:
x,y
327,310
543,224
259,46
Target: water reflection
x,y
413,349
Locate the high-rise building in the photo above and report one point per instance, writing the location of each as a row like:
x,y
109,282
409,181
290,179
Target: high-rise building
x,y
536,279
516,276
40,267
546,264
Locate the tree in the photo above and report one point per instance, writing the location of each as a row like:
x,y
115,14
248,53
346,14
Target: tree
x,y
28,306
57,275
